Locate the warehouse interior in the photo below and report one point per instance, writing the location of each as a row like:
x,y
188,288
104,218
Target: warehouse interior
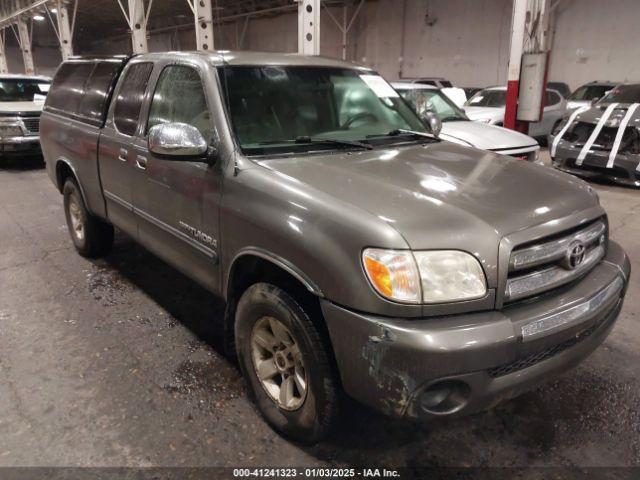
x,y
467,42
124,362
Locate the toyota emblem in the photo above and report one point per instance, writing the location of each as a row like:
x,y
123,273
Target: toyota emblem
x,y
575,255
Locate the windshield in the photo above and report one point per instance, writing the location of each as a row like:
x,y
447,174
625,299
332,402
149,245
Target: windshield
x,y
285,109
16,90
424,99
590,92
623,94
488,98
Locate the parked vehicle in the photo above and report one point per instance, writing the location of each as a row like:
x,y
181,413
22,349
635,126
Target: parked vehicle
x,y
471,91
561,87
21,101
457,128
456,94
589,93
487,106
602,140
354,250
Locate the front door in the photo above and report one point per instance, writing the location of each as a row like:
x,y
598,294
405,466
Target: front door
x,y
168,194
116,155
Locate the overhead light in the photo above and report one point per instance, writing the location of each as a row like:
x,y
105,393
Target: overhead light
x,y
38,18
54,10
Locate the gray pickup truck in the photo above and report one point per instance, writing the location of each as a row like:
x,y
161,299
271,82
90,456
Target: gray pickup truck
x,y
356,252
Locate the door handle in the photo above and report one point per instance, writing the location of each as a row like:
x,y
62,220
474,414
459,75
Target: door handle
x,y
141,162
122,156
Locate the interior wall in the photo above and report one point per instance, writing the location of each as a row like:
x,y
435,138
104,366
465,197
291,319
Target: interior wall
x,y
596,40
46,59
466,41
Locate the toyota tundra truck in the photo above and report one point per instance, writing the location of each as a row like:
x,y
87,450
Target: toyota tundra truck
x,y
357,253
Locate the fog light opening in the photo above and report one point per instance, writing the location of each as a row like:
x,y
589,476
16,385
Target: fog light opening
x,y
446,397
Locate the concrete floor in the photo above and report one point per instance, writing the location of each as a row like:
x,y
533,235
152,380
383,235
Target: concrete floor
x,y
117,362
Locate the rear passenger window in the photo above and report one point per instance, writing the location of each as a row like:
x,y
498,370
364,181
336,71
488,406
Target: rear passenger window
x,y
68,85
130,96
97,91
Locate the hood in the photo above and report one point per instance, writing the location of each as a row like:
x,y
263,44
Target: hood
x,y
486,137
594,114
442,195
17,107
478,113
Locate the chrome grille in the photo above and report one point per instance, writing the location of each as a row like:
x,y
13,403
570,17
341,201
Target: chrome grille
x,y
32,124
534,269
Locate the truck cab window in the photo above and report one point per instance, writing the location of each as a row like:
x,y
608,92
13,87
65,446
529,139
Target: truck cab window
x,y
180,98
130,96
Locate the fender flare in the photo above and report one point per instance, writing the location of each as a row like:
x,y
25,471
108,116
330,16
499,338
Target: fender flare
x,y
279,261
74,172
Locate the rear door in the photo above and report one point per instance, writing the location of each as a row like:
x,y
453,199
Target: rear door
x,y
168,194
116,156
554,109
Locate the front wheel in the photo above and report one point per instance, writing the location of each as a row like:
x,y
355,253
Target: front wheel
x,y
91,236
286,364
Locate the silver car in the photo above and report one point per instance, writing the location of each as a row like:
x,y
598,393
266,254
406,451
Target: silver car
x,y
457,128
487,106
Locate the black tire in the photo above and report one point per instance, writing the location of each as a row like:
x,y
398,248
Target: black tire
x,y
97,235
316,416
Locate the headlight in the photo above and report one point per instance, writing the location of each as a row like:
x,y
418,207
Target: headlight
x,y
450,275
10,131
393,274
559,127
429,277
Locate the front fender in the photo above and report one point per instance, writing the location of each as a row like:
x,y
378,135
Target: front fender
x,y
316,237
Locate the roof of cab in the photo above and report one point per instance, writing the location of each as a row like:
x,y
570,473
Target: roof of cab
x,y
228,57
17,76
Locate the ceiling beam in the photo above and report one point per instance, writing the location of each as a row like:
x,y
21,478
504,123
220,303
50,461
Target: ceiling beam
x,y
10,13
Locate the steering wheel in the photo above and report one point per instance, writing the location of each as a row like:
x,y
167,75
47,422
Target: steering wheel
x,y
359,116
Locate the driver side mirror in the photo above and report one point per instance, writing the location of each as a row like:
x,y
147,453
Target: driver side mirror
x,y
178,141
432,121
594,100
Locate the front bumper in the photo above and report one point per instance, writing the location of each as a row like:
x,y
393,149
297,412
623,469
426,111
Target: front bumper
x,y
625,169
19,146
403,367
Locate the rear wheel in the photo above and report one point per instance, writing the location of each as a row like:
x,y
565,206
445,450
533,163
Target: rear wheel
x,y
286,364
91,236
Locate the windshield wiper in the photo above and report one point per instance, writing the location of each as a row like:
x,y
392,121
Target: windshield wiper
x,y
303,139
401,131
453,119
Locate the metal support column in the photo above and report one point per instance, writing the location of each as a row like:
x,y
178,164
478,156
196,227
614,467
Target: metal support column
x,y
518,23
309,27
65,30
24,38
346,24
138,25
3,55
203,14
